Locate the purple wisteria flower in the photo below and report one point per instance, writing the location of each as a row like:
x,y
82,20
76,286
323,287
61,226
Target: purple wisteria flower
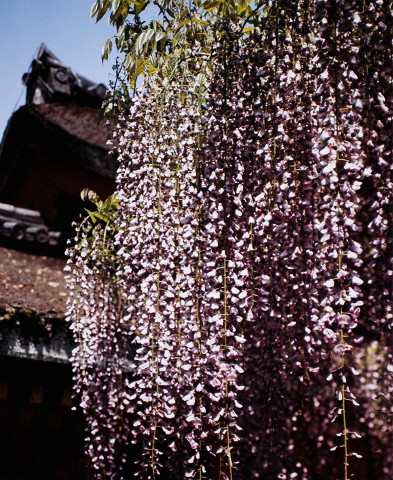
x,y
251,265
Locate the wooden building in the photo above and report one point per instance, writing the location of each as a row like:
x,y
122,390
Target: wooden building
x,y
52,149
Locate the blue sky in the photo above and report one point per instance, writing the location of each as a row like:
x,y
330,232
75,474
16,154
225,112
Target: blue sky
x,y
65,27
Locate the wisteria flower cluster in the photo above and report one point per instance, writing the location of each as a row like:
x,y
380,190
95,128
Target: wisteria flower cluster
x,y
101,359
249,276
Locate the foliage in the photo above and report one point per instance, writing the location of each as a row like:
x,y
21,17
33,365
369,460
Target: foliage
x,y
250,264
180,40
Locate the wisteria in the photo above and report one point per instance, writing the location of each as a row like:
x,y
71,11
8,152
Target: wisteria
x,y
101,359
235,320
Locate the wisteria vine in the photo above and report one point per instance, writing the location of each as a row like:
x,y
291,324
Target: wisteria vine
x,y
235,318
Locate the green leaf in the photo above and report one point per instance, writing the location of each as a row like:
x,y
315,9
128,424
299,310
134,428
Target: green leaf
x,y
88,195
100,116
106,49
129,60
156,25
91,216
143,38
102,10
160,36
242,7
109,109
110,204
152,69
125,91
139,7
94,9
249,29
115,4
199,20
211,5
140,67
183,22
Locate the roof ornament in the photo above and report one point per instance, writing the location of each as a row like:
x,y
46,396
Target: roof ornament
x,y
51,81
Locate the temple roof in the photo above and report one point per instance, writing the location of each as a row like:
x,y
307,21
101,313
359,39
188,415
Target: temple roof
x,y
50,80
54,147
78,121
68,132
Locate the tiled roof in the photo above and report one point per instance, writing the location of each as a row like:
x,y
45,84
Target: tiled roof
x,y
78,121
